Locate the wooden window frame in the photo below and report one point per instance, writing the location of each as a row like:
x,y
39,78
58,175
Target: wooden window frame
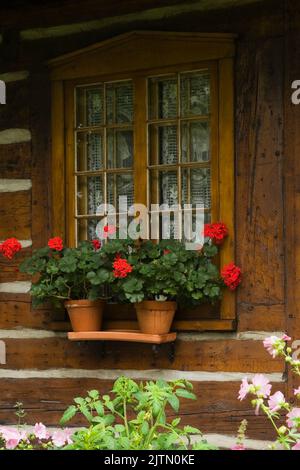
x,y
132,56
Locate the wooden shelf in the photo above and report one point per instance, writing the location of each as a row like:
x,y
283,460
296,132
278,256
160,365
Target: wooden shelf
x,y
122,335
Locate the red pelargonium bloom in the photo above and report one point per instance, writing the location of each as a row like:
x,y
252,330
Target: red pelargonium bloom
x,y
166,252
108,230
217,232
56,244
96,244
231,275
10,247
121,267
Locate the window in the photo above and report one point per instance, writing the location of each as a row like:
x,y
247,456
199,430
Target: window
x,y
155,127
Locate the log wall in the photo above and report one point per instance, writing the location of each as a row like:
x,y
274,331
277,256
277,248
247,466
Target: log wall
x,y
43,369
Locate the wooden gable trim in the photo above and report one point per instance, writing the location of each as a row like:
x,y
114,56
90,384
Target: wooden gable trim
x,y
147,49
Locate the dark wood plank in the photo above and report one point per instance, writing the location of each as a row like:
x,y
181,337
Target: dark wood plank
x,y
221,355
216,409
15,160
15,215
259,150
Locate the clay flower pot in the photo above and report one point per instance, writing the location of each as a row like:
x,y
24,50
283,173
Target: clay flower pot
x,y
155,317
85,315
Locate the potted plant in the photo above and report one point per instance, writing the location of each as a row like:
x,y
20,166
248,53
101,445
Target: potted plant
x,y
74,276
156,277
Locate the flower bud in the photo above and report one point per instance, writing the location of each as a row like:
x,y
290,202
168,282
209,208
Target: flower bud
x,y
282,430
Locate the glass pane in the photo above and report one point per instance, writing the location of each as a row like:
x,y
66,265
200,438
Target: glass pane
x,y
119,103
89,194
163,145
168,187
119,148
162,98
86,229
193,228
195,141
89,106
195,94
196,187
89,151
119,185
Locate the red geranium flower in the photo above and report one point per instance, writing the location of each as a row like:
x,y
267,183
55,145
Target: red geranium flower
x,y
217,232
10,247
231,275
121,267
166,251
97,244
56,244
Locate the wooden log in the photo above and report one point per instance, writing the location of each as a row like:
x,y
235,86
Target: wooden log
x,y
261,317
15,160
16,312
9,269
223,355
15,215
215,410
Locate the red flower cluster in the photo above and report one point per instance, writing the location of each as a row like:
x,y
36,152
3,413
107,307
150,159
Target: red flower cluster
x,y
121,267
96,244
10,247
56,244
231,275
166,251
217,232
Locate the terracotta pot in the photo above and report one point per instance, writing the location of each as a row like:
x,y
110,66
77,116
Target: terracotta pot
x,y
155,317
85,315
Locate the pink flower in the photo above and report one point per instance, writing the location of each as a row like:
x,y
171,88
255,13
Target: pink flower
x,y
62,437
292,415
275,345
12,437
238,447
261,385
297,391
296,446
40,431
269,344
276,401
244,389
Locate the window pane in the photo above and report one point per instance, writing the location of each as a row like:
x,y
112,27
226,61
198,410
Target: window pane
x,y
163,145
119,185
89,106
195,94
89,194
119,148
89,151
195,140
86,229
167,187
196,187
119,103
162,98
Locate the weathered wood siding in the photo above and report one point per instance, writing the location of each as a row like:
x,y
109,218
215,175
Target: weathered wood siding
x,y
267,193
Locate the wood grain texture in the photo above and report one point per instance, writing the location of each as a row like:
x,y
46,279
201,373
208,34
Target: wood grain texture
x,y
15,160
15,215
9,269
16,312
46,399
259,149
261,317
224,355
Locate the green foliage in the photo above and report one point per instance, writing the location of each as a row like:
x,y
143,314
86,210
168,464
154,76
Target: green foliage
x,y
166,269
73,273
134,417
